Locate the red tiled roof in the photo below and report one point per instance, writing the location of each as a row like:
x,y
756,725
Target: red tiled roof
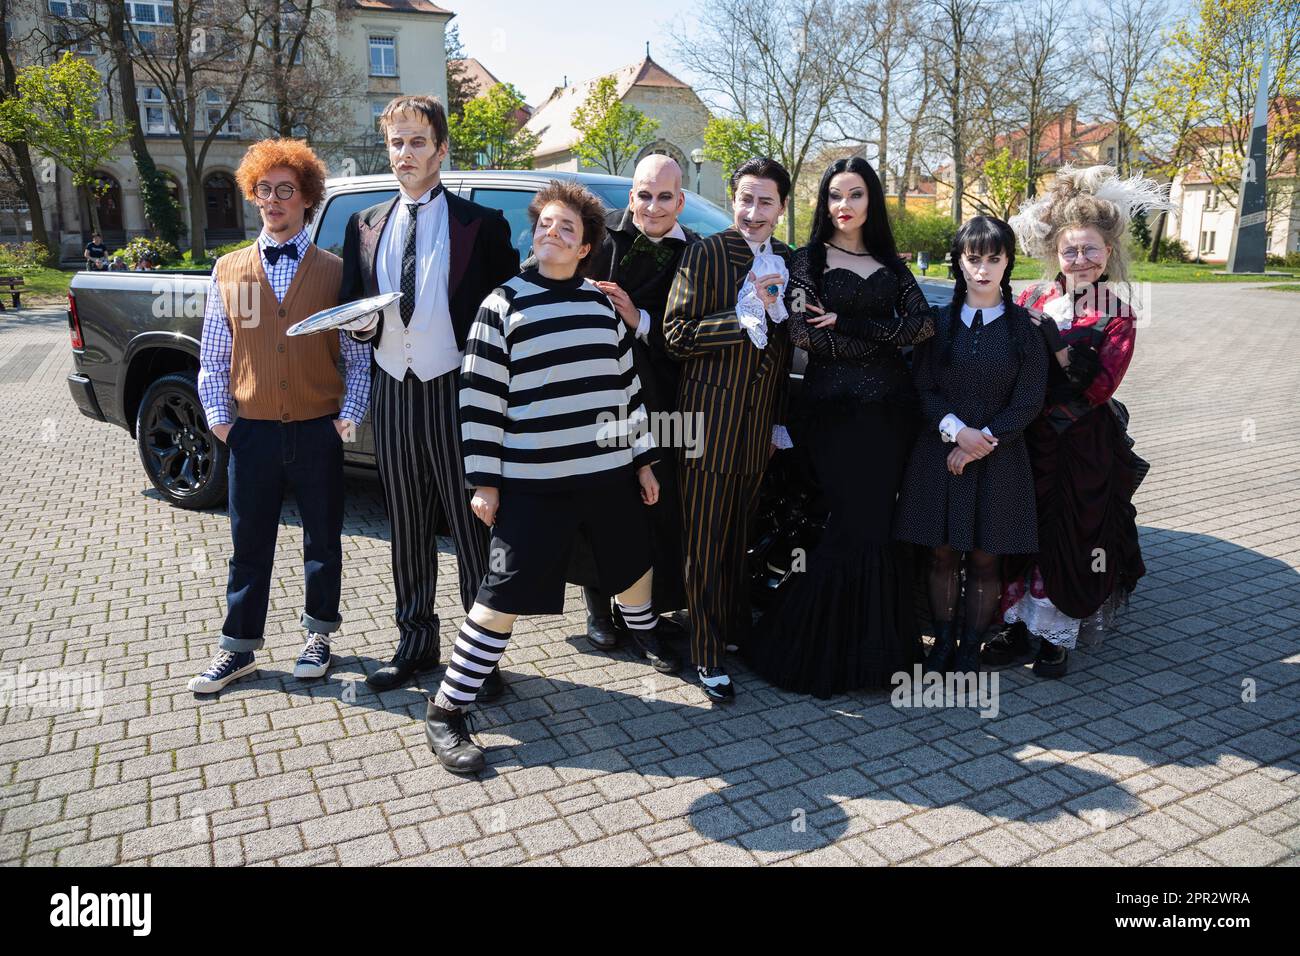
x,y
402,6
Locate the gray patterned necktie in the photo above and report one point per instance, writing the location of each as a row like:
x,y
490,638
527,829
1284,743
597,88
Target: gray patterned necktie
x,y
407,302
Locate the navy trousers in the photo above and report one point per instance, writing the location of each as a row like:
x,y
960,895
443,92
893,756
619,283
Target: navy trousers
x,y
267,458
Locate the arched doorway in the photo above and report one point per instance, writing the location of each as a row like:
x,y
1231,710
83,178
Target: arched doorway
x,y
665,148
108,205
225,207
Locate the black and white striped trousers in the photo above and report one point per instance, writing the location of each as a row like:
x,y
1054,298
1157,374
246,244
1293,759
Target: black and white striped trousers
x,y
417,443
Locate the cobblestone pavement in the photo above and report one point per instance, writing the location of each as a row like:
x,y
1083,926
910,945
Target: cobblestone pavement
x,y
1176,741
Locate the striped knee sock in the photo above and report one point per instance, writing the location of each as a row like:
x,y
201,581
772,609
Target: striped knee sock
x,y
638,617
476,652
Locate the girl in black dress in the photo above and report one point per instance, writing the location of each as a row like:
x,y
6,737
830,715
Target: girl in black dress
x,y
969,489
846,622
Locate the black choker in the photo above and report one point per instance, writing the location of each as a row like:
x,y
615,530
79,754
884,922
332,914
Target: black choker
x,y
847,253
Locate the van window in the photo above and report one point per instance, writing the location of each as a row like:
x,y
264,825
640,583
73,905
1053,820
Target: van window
x,y
513,204
339,210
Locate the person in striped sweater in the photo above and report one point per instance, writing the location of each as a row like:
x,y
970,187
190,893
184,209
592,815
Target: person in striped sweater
x,y
552,423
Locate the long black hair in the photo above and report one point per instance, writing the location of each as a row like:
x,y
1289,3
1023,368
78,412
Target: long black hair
x,y
983,236
877,236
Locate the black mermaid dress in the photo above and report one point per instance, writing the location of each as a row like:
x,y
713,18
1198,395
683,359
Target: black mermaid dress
x,y
845,621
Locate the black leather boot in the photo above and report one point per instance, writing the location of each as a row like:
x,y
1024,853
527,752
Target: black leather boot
x,y
601,629
447,732
648,645
1009,646
939,660
1051,660
398,671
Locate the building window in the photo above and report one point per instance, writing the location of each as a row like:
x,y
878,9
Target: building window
x,y
383,56
215,103
1207,241
1212,199
154,115
1110,155
376,110
151,11
69,9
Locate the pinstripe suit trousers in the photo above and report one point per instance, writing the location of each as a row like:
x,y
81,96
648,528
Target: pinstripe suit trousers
x,y
417,444
716,512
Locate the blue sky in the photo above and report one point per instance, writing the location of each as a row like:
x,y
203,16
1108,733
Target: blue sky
x,y
534,43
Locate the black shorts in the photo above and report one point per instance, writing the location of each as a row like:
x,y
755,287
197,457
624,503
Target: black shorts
x,y
534,533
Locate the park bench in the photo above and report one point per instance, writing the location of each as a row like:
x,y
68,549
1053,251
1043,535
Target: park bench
x,y
15,284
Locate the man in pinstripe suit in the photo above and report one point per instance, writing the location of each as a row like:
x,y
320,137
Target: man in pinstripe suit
x,y
735,372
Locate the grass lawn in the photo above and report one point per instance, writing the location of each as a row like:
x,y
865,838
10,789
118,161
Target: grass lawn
x,y
1027,268
1284,287
43,287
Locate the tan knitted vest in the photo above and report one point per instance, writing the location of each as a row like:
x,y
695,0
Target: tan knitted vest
x,y
272,375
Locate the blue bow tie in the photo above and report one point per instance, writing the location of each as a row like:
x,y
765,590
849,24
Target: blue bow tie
x,y
273,253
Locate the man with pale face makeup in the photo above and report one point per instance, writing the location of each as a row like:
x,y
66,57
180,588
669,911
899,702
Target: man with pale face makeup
x,y
444,254
635,266
725,322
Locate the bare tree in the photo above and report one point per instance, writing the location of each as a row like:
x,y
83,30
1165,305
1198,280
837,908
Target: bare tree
x,y
911,102
303,86
772,65
203,66
1042,72
957,30
1123,57
878,44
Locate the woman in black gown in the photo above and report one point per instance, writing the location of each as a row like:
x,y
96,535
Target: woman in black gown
x,y
846,622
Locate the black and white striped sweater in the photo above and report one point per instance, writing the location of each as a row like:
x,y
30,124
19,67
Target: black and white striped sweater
x,y
549,398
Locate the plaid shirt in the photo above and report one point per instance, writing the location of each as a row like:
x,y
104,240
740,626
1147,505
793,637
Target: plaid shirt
x,y
214,350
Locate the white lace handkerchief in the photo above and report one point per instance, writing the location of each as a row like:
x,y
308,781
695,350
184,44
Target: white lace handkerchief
x,y
749,307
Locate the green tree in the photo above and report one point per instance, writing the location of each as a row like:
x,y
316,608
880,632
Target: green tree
x,y
1198,109
1007,179
487,134
56,110
729,142
613,132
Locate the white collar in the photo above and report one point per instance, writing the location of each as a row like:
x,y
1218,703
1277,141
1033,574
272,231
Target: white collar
x,y
990,313
423,197
758,248
676,232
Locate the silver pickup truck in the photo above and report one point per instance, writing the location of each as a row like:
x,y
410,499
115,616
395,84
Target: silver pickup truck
x,y
135,336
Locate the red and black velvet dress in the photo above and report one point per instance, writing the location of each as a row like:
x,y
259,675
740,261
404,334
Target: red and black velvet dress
x,y
1085,474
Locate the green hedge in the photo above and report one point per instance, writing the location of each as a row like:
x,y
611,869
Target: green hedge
x,y
924,232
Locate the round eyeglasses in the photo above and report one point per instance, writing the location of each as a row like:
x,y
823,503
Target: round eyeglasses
x,y
1091,253
281,190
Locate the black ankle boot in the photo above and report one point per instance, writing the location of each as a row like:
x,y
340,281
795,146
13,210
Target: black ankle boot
x,y
939,660
602,630
1009,646
967,658
1051,660
447,733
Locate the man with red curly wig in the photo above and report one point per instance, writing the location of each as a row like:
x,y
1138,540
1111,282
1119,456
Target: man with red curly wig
x,y
280,406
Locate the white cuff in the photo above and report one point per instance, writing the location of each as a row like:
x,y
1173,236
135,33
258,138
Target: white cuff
x,y
643,327
950,426
781,437
986,431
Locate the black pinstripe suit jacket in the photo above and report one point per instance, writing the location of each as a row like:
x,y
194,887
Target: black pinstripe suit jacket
x,y
736,388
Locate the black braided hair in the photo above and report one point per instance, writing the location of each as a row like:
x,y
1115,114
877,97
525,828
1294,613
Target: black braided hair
x,y
983,235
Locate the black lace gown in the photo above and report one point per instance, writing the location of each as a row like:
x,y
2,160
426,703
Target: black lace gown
x,y
846,622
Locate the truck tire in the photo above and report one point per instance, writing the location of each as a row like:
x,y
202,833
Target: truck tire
x,y
183,460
